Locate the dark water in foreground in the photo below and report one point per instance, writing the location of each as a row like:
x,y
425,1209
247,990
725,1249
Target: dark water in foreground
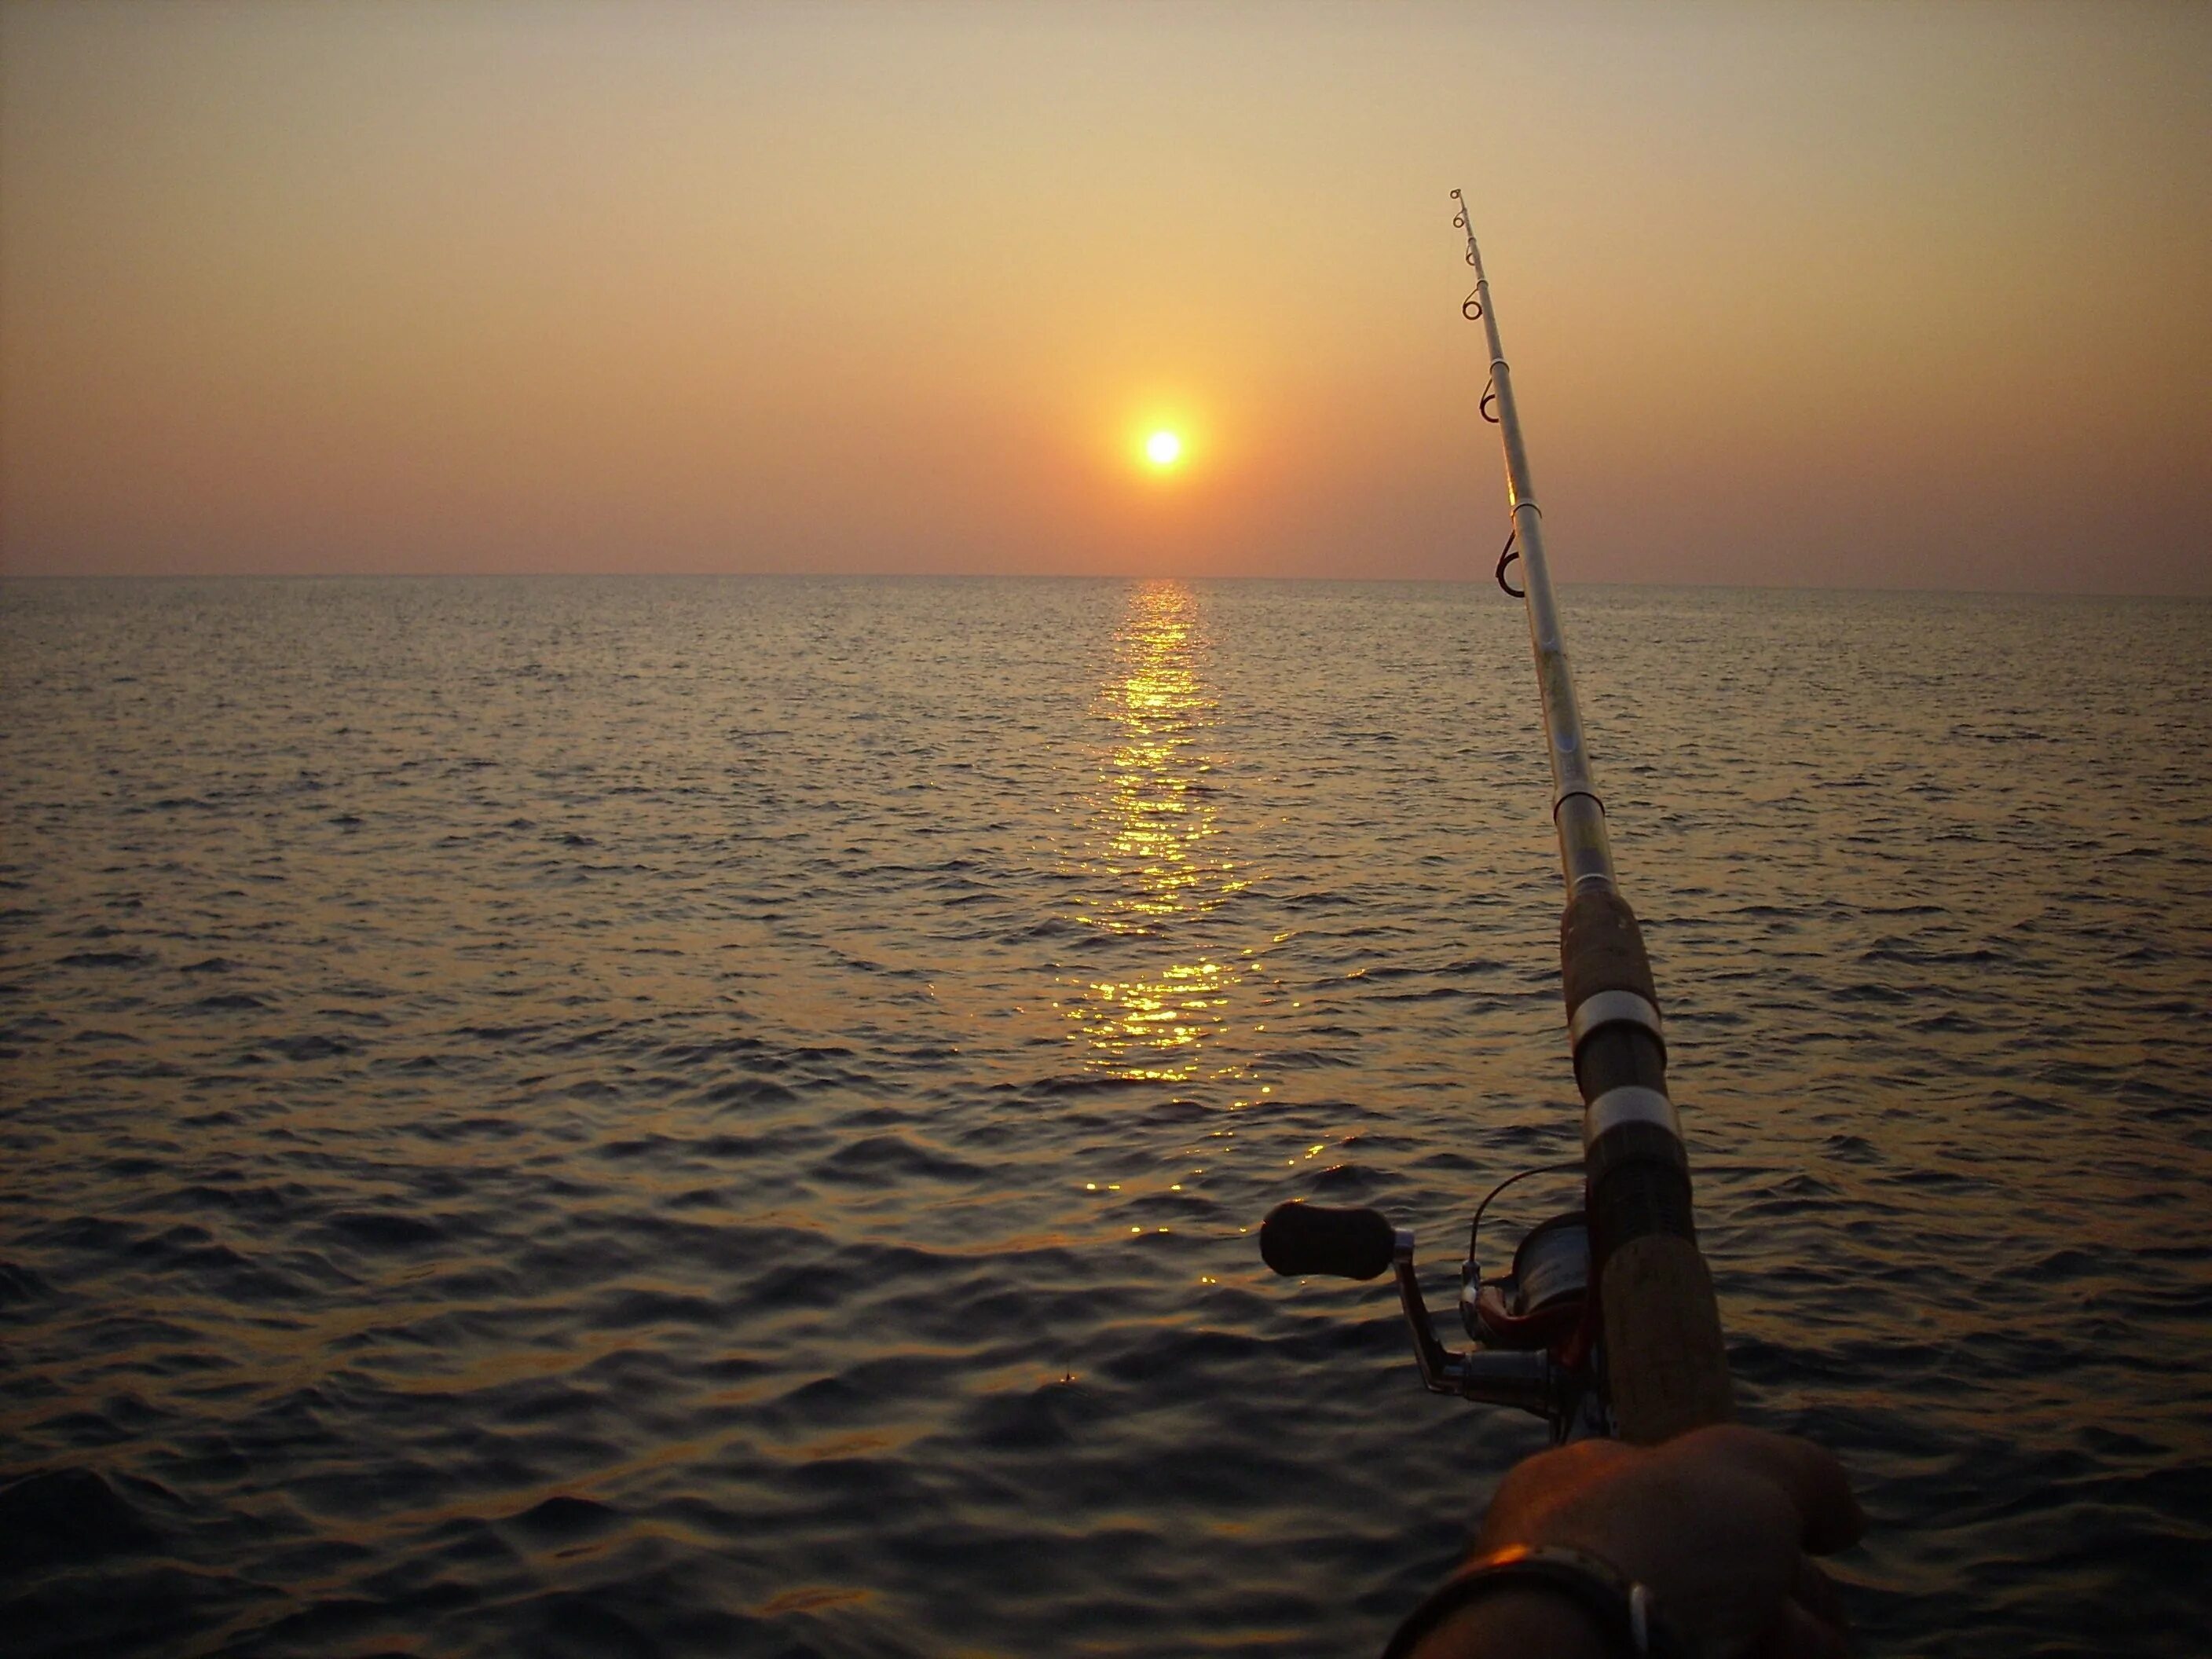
x,y
711,1117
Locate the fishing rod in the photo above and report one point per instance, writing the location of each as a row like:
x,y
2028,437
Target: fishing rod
x,y
1606,1321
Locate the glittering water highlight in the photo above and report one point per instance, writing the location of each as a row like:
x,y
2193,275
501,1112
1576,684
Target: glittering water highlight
x,y
1151,857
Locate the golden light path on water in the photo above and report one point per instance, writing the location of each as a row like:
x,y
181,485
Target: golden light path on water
x,y
1151,856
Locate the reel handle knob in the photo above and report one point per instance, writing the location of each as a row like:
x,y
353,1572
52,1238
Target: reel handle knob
x,y
1297,1239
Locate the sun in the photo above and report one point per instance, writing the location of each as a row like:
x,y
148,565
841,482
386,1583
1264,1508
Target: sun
x,y
1163,448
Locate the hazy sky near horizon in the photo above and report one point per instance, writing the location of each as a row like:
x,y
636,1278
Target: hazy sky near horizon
x,y
1833,294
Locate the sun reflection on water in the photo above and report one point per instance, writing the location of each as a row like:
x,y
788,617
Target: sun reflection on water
x,y
1155,875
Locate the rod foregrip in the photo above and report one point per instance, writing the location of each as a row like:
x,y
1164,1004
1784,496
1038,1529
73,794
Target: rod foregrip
x,y
1665,1362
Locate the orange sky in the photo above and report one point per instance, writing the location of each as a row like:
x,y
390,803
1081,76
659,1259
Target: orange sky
x,y
1857,295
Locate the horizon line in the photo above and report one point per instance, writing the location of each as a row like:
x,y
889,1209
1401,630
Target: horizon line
x,y
9,577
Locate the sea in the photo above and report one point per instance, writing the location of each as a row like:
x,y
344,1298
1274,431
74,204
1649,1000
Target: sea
x,y
731,1116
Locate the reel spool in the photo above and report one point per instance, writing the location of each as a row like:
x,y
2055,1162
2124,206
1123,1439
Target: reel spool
x,y
1539,1303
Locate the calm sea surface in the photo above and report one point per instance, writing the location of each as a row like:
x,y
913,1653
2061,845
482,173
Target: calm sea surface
x,y
730,1117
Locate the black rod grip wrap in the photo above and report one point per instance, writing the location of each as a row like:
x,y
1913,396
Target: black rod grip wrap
x,y
1619,1054
1639,1183
1299,1239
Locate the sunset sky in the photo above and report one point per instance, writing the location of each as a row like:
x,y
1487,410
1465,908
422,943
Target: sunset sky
x,y
1872,295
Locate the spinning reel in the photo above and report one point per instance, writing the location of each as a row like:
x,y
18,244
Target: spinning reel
x,y
1533,1326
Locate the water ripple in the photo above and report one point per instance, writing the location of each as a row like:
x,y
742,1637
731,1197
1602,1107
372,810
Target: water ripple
x,y
724,1116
